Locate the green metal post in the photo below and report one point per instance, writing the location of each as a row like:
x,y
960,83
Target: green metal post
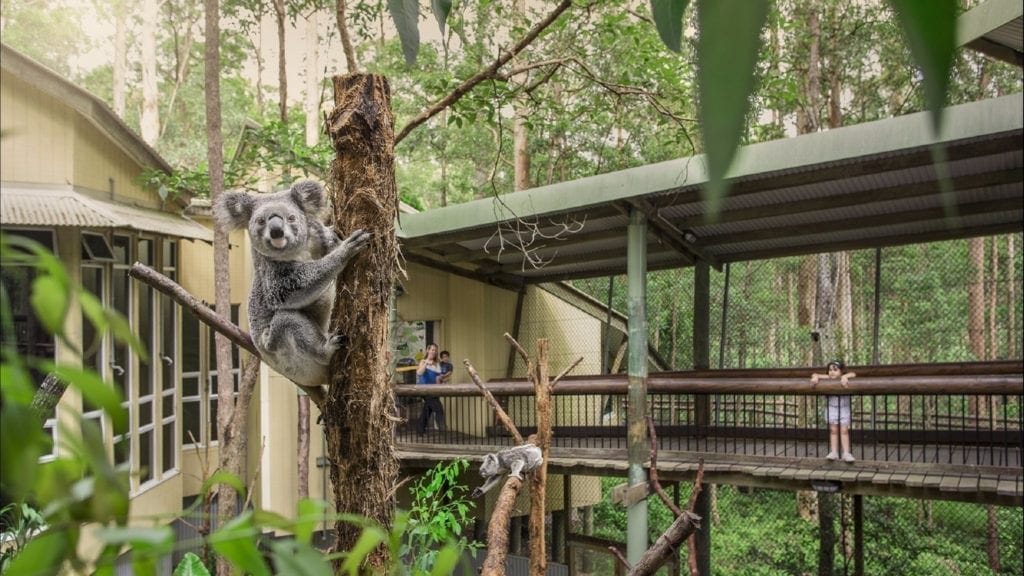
x,y
702,402
636,417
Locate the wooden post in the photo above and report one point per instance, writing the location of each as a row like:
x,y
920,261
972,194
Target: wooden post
x,y
359,406
858,535
701,402
539,477
826,533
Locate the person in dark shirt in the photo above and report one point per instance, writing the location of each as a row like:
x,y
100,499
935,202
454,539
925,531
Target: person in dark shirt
x,y
428,372
446,367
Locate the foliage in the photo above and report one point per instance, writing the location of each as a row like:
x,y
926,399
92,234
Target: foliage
x,y
761,534
18,522
191,565
440,510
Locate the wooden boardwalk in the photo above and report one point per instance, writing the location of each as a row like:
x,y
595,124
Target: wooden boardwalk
x,y
971,474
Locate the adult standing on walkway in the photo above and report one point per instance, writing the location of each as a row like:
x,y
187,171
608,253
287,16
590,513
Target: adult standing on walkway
x,y
427,372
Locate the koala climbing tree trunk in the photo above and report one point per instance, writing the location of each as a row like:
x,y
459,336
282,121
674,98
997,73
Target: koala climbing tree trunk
x,y
359,407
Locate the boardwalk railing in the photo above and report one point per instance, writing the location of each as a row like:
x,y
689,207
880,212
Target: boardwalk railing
x,y
960,419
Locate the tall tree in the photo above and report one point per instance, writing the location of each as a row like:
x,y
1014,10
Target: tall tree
x,y
119,83
149,119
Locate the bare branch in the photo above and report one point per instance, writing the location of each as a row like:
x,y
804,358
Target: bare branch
x,y
654,471
204,313
566,371
502,415
486,73
522,353
622,559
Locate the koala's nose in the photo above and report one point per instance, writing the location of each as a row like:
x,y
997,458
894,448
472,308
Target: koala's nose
x,y
276,225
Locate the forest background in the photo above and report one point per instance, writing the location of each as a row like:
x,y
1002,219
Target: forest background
x,y
566,108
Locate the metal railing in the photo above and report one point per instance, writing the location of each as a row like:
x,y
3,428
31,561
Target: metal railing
x,y
964,419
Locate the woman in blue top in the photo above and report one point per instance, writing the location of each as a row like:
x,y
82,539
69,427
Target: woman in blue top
x,y
427,373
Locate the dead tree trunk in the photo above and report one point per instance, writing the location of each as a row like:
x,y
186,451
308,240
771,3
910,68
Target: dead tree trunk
x,y
360,405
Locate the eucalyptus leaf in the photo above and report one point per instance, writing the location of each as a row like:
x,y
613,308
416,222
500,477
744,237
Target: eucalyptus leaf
x,y
50,302
43,555
236,541
668,19
929,27
730,38
442,8
298,559
311,513
406,15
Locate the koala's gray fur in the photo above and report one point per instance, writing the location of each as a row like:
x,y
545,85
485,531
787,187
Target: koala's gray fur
x,y
296,260
513,461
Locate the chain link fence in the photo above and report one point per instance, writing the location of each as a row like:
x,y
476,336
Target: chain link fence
x,y
950,301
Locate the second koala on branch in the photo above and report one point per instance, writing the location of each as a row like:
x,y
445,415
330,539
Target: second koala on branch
x,y
512,461
296,260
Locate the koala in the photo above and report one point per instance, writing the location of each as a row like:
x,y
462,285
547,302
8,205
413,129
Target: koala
x,y
296,260
511,460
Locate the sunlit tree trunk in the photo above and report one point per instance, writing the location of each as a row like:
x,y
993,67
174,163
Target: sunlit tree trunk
x,y
282,70
346,40
976,297
149,120
120,56
520,134
1011,297
312,100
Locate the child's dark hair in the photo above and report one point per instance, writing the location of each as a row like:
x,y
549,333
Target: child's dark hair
x,y
443,353
838,364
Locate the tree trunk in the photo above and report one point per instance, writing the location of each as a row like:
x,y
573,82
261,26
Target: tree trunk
x,y
992,544
359,409
539,477
520,133
282,69
149,120
346,40
120,56
1011,297
826,534
993,301
312,101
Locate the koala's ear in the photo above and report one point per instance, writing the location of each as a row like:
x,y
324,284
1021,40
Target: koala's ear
x,y
309,195
234,208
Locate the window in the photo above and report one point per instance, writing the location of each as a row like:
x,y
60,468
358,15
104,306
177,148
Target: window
x,y
30,338
168,361
121,367
191,374
95,248
93,343
146,406
213,384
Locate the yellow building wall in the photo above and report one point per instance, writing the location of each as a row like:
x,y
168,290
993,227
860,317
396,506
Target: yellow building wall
x,y
37,144
99,164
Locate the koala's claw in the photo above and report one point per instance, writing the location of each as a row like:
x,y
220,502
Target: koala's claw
x,y
358,240
337,341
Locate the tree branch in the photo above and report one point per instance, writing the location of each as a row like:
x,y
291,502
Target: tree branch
x,y
485,74
199,309
564,372
502,415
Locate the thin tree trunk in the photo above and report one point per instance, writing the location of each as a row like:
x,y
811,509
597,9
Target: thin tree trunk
x,y
1011,297
303,447
539,477
992,544
120,56
149,120
520,133
346,41
312,101
359,409
826,534
282,70
993,301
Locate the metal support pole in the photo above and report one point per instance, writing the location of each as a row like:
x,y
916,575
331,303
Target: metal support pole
x,y
639,451
702,404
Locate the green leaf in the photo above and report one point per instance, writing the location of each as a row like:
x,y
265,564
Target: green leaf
x,y
298,559
406,15
930,29
668,19
236,541
368,541
446,561
22,442
43,555
191,565
95,390
311,513
730,37
442,8
50,302
92,308
122,331
222,477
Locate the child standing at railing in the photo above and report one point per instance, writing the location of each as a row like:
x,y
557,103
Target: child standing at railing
x,y
837,411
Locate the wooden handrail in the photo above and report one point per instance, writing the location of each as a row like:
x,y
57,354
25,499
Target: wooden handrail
x,y
1010,384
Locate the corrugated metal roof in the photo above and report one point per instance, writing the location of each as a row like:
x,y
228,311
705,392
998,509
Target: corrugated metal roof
x,y
869,185
66,207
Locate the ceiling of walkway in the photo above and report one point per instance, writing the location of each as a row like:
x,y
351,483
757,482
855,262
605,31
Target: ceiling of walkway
x,y
870,185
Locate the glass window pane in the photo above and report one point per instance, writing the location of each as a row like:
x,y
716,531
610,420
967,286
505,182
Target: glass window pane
x,y
145,252
122,449
170,455
148,337
170,254
213,420
145,413
190,386
189,343
122,250
168,406
168,317
191,423
146,451
92,340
